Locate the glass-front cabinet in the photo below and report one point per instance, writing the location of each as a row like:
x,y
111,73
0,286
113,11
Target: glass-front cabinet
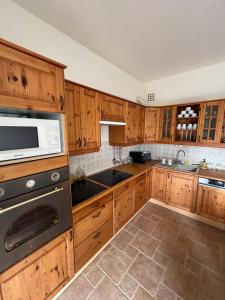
x,y
211,122
166,123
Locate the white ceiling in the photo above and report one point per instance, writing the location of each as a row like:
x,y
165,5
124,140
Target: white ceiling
x,y
149,39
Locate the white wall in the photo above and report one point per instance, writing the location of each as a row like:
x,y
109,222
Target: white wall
x,y
84,66
205,83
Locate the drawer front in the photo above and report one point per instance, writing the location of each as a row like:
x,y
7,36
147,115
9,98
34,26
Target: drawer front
x,y
87,249
95,219
140,192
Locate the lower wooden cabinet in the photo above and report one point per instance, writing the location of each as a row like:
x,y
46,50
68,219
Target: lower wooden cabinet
x,y
42,274
181,190
140,192
123,204
159,182
93,227
211,203
149,184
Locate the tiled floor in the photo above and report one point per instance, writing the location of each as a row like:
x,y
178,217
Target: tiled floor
x,y
159,255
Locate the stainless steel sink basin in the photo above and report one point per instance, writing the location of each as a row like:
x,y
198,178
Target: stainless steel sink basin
x,y
186,168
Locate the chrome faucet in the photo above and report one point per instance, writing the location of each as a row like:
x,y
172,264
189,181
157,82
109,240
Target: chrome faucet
x,y
178,160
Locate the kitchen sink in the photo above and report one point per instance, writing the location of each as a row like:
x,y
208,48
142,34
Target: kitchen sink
x,y
186,168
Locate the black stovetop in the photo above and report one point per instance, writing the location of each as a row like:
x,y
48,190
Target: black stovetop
x,y
110,177
83,190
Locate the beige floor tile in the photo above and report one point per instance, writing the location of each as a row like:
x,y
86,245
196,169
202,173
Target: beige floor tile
x,y
132,229
148,210
131,251
106,290
146,272
145,243
79,289
194,234
122,239
145,224
181,281
128,285
115,264
141,294
175,249
160,258
213,285
193,266
165,228
164,213
163,293
95,275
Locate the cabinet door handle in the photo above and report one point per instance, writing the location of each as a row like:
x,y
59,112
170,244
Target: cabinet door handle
x,y
96,235
85,142
80,142
24,80
61,103
96,215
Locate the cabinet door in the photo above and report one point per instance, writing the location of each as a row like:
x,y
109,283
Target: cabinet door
x,y
149,184
73,113
90,113
42,274
151,124
211,122
141,124
167,123
113,109
181,191
211,203
123,205
132,124
140,192
30,83
159,182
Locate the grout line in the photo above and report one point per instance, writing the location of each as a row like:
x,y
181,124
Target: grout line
x,y
88,280
95,287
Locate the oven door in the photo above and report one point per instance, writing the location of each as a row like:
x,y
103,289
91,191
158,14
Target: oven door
x,y
29,221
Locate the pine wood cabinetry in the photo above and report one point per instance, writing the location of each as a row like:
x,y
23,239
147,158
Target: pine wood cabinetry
x,y
181,190
149,183
29,81
140,192
132,124
211,119
93,227
83,116
159,182
141,124
211,203
167,118
123,206
113,109
42,274
151,124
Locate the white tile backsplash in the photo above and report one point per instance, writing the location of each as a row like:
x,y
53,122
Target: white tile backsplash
x,y
94,162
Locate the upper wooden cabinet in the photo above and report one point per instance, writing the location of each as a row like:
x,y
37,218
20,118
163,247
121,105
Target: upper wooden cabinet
x,y
151,124
113,109
29,81
132,124
141,124
83,116
210,125
166,123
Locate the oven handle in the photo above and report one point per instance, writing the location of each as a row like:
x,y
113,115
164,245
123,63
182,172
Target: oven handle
x,y
29,201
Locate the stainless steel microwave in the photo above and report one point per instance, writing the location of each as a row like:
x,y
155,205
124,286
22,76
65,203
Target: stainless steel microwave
x,y
28,137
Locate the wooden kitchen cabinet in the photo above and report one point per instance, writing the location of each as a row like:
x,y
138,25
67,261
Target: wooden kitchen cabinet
x,y
132,124
167,118
141,124
159,184
149,183
151,124
83,116
140,192
113,109
123,204
93,227
211,203
42,274
29,81
181,190
211,119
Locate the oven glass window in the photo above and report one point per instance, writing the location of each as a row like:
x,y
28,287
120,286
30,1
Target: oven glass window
x,y
15,137
30,224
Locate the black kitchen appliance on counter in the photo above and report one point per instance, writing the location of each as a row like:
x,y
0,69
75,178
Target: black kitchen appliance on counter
x,y
140,157
84,189
33,210
110,177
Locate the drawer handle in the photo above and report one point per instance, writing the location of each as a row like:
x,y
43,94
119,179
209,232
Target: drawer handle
x,y
96,235
95,205
96,215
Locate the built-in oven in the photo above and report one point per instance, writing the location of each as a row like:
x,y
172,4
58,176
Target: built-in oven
x,y
33,210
